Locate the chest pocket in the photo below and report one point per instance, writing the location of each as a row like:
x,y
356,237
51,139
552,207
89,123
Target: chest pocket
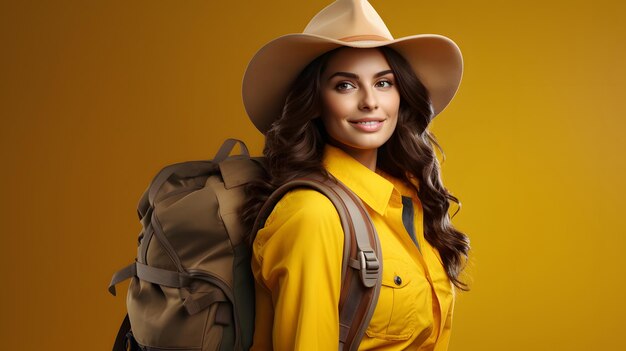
x,y
396,314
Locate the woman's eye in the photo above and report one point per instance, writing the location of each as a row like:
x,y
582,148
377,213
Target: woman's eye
x,y
344,86
384,84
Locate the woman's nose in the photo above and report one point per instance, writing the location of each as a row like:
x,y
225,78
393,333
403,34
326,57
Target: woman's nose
x,y
368,100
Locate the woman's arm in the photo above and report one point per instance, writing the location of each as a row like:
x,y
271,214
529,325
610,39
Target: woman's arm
x,y
297,259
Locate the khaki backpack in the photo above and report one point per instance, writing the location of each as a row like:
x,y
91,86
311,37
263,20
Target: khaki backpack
x,y
192,286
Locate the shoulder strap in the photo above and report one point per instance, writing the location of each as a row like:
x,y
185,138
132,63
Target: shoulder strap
x,y
362,257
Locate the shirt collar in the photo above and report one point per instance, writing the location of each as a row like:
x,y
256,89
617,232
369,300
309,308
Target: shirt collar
x,y
370,186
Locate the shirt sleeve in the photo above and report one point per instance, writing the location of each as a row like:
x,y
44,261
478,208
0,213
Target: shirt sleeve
x,y
297,258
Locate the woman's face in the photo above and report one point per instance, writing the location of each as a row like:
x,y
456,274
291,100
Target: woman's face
x,y
360,101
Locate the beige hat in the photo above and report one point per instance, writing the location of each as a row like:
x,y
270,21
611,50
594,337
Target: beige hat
x,y
436,60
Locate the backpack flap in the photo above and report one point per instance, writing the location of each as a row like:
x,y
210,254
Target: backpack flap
x,y
239,170
236,171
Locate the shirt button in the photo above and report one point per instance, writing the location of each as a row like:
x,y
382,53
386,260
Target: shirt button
x,y
397,280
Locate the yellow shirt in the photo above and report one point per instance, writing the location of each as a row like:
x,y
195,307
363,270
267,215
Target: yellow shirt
x,y
297,267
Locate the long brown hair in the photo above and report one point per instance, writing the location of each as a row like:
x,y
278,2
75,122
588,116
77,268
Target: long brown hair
x,y
294,147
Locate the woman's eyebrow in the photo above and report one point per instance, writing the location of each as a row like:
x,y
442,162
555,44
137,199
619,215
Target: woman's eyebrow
x,y
355,76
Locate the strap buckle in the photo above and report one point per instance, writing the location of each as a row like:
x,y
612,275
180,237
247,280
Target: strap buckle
x,y
369,267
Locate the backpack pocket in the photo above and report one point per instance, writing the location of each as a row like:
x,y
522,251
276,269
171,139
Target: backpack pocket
x,y
169,318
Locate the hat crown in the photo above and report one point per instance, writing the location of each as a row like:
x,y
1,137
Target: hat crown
x,y
349,20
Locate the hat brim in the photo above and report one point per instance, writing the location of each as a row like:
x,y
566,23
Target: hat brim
x,y
435,59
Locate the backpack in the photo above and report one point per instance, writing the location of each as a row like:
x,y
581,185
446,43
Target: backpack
x,y
192,286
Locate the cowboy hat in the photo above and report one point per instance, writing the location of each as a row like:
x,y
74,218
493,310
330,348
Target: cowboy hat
x,y
435,59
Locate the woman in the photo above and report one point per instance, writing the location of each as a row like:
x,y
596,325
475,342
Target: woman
x,y
344,99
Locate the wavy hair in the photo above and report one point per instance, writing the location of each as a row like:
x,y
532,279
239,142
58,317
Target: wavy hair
x,y
294,147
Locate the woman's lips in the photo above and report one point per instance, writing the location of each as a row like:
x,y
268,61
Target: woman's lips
x,y
368,124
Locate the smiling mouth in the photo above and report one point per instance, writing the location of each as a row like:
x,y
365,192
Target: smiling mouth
x,y
367,123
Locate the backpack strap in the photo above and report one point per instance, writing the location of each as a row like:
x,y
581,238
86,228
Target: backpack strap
x,y
227,148
164,277
362,257
124,341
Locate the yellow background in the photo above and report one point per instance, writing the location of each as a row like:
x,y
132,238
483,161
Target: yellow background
x,y
97,96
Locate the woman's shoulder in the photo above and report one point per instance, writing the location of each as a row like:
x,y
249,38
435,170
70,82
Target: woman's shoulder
x,y
305,204
303,219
